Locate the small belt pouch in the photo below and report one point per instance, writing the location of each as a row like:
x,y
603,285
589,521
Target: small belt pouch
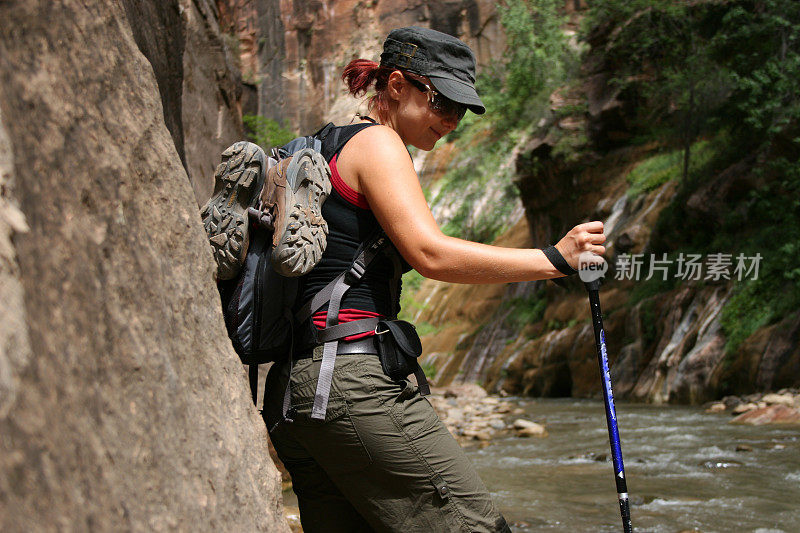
x,y
398,347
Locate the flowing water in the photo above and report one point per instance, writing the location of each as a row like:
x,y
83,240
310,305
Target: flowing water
x,y
682,466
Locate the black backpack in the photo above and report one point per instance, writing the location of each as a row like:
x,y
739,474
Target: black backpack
x,y
259,305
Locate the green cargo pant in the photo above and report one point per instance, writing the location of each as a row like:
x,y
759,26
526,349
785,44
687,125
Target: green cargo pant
x,y
381,461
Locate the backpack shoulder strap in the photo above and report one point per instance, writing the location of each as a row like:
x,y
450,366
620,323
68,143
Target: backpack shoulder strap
x,y
332,144
328,140
368,250
333,294
323,132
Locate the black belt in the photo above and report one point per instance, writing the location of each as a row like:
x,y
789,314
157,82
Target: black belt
x,y
360,346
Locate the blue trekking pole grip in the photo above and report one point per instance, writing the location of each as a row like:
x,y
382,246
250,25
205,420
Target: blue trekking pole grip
x,y
608,398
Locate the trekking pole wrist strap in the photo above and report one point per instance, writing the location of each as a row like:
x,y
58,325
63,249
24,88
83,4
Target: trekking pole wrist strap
x,y
558,261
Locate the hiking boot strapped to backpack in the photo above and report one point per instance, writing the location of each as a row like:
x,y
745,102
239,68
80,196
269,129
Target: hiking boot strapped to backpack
x,y
237,181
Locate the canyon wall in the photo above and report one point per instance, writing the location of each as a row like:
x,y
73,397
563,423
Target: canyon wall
x,y
294,51
122,404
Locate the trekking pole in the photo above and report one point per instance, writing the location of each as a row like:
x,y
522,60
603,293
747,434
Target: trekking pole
x,y
608,398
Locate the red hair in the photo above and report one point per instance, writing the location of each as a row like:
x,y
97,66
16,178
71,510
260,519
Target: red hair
x,y
360,74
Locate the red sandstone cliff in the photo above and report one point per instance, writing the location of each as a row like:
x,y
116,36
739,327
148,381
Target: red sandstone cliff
x,y
293,52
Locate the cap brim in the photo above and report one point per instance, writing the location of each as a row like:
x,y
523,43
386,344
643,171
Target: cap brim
x,y
460,92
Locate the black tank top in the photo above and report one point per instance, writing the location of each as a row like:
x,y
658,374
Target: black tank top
x,y
350,223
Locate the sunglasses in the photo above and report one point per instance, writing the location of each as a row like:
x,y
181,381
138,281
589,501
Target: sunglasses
x,y
439,103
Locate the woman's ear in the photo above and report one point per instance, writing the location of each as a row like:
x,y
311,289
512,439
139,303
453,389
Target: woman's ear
x,y
396,85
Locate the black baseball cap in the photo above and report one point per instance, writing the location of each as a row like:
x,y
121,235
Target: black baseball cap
x,y
444,59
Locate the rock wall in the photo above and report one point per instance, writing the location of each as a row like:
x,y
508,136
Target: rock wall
x,y
122,404
302,47
199,83
212,93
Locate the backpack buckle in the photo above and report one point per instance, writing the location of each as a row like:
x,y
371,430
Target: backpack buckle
x,y
356,272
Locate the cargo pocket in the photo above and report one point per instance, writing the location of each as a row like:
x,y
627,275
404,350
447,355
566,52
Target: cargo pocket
x,y
411,413
334,442
414,414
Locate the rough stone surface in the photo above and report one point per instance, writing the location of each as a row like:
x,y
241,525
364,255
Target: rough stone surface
x,y
781,399
469,413
467,391
773,414
15,350
162,41
199,83
526,428
303,46
122,404
212,94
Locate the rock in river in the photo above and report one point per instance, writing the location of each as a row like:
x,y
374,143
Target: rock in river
x,y
772,414
526,428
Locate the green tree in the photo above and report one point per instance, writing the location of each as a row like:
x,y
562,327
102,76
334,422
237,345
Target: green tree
x,y
538,59
759,42
662,51
266,132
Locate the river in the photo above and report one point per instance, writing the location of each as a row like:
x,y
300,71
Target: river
x,y
683,470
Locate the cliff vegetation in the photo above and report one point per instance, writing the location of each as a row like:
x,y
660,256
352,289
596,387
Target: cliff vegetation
x,y
676,124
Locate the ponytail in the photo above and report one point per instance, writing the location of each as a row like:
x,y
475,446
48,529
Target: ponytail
x,y
360,74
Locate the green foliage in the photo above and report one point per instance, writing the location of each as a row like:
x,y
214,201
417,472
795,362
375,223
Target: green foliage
x,y
725,71
525,311
765,221
708,67
538,59
487,224
426,328
662,57
409,306
648,318
467,126
265,132
654,172
568,148
745,312
700,66
412,280
480,169
429,369
759,43
662,168
770,227
554,325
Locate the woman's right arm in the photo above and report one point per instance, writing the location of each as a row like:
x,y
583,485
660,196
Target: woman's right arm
x,y
382,167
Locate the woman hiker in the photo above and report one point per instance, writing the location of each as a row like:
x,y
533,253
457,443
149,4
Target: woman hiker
x,y
380,459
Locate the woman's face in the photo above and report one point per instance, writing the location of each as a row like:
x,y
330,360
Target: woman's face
x,y
416,123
